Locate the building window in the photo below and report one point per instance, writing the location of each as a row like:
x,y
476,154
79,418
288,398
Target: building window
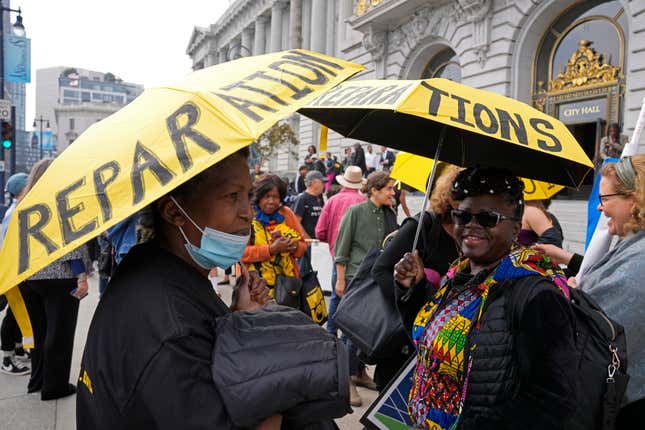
x,y
71,123
443,65
71,94
85,96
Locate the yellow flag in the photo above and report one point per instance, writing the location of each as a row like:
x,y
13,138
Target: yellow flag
x,y
323,138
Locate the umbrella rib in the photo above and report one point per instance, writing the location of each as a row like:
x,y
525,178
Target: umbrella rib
x,y
360,122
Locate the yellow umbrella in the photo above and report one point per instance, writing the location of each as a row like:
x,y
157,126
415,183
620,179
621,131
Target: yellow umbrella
x,y
160,140
480,127
414,171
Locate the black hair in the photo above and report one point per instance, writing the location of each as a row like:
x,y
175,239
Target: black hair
x,y
480,181
266,183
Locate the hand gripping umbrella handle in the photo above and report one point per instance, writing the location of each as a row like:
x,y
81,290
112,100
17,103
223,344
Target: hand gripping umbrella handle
x,y
437,153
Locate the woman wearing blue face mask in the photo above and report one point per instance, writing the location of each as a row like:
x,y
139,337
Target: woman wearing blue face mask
x,y
147,359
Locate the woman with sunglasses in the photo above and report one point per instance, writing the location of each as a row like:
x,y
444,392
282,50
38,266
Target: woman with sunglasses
x,y
616,281
478,367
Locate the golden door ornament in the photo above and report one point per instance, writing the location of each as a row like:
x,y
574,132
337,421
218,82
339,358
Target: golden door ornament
x,y
364,6
585,67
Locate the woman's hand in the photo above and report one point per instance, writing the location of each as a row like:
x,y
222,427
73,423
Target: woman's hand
x,y
340,287
81,286
258,289
274,422
409,270
251,292
572,282
280,245
557,255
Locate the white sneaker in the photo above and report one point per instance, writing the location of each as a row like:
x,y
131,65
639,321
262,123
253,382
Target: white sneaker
x,y
10,367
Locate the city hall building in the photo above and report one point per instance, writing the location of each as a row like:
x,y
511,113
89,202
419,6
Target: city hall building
x,y
582,62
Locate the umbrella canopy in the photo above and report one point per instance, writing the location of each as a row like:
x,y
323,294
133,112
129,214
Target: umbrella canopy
x,y
414,171
157,142
481,128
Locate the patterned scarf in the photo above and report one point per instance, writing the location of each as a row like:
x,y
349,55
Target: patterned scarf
x,y
441,331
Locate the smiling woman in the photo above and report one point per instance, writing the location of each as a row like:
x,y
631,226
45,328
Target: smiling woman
x,y
616,281
469,362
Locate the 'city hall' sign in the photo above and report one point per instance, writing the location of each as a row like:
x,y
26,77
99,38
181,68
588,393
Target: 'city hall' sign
x,y
585,111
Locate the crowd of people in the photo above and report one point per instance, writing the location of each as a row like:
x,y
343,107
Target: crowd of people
x,y
484,298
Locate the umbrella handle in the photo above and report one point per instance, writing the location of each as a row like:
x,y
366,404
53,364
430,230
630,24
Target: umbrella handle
x,y
433,173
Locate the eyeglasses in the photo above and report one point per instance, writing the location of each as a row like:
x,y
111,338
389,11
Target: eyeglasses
x,y
488,219
603,197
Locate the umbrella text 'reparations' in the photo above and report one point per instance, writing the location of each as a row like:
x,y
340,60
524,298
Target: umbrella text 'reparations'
x,y
491,122
296,64
33,219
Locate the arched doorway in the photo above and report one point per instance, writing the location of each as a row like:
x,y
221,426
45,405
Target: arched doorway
x,y
577,73
444,64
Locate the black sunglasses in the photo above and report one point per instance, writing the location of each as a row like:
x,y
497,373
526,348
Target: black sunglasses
x,y
487,219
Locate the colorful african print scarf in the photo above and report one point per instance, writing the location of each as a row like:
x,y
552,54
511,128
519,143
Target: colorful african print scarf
x,y
441,331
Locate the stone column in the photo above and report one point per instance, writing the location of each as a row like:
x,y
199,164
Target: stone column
x,y
246,49
211,59
222,54
276,26
295,24
260,29
318,25
331,30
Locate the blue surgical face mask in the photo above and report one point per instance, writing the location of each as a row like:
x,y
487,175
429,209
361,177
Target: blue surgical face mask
x,y
218,249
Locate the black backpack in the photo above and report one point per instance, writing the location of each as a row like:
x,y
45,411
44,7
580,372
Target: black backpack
x,y
601,364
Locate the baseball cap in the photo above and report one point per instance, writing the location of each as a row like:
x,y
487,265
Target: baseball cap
x,y
315,174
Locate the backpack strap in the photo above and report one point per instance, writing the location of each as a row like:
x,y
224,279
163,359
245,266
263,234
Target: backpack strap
x,y
516,297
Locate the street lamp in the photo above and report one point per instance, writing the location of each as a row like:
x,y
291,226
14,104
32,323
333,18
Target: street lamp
x,y
41,120
18,30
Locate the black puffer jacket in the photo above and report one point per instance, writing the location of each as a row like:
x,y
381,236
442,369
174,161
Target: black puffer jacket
x,y
521,378
277,361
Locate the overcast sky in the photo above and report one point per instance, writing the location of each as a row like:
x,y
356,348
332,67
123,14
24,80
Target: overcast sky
x,y
140,41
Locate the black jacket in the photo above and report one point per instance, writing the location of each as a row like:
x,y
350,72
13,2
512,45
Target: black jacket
x,y
437,250
147,357
522,375
278,360
358,159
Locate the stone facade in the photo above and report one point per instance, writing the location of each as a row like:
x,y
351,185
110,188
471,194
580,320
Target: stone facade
x,y
495,42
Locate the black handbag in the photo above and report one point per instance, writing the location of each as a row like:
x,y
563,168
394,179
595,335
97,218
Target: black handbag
x,y
312,298
287,289
366,316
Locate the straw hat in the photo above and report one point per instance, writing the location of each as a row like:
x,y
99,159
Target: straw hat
x,y
352,178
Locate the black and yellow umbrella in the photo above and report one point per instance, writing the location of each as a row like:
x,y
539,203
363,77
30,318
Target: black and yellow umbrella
x,y
480,127
159,141
452,122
